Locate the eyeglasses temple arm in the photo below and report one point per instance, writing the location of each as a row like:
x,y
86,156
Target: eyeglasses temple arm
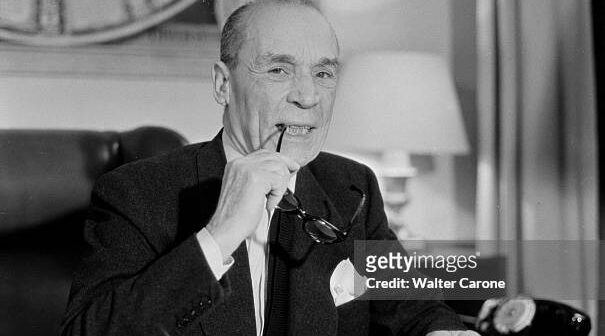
x,y
281,136
359,207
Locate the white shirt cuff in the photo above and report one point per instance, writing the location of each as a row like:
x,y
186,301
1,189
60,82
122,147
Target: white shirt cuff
x,y
213,254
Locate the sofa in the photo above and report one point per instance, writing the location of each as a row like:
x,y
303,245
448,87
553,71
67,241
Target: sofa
x,y
46,177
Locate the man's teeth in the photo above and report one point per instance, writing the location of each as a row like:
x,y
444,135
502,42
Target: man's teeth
x,y
298,130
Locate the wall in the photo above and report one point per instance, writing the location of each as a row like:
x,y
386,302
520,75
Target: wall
x,y
109,104
442,193
420,25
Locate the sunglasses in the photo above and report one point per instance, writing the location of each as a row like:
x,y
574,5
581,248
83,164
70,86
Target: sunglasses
x,y
319,229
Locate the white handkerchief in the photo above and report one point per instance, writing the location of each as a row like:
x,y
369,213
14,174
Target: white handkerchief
x,y
342,283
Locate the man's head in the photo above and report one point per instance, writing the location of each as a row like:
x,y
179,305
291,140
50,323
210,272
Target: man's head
x,y
278,67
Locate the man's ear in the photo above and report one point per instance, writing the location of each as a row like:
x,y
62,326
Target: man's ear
x,y
220,77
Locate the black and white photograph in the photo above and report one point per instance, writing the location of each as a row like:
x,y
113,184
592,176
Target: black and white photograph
x,y
302,167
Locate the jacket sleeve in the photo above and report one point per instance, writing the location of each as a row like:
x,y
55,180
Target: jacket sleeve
x,y
402,317
128,284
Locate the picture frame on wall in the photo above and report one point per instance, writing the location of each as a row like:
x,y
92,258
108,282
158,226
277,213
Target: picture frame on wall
x,y
130,39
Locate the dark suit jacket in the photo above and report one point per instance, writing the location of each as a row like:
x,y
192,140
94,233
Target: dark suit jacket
x,y
145,274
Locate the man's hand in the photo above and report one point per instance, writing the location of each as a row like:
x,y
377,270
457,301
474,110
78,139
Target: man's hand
x,y
251,185
453,333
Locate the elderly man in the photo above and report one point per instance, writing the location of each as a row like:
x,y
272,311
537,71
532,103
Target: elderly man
x,y
197,242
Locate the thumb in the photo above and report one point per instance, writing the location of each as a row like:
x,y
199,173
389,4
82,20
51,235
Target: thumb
x,y
275,196
272,202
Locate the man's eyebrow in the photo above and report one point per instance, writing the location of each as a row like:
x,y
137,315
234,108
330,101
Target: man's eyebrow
x,y
331,62
275,58
285,58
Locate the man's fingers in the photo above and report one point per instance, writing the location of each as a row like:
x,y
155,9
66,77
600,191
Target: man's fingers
x,y
263,154
292,165
280,182
272,202
278,188
276,166
259,178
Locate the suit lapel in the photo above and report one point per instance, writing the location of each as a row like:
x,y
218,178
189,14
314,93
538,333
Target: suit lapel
x,y
312,309
235,316
315,202
211,159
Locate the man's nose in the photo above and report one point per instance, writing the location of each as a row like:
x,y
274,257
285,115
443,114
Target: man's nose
x,y
304,93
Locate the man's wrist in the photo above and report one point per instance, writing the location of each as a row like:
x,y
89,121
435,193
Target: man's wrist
x,y
212,252
227,241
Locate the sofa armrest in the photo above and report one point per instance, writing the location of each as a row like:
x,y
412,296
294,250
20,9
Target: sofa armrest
x,y
48,175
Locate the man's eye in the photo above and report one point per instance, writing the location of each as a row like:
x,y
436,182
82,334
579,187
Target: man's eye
x,y
324,75
277,71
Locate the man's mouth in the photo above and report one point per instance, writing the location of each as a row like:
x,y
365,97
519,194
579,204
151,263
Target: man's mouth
x,y
295,130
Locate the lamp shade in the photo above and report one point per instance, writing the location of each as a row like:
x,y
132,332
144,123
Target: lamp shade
x,y
397,101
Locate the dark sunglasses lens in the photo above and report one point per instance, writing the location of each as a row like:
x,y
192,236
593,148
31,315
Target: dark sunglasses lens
x,y
321,231
289,202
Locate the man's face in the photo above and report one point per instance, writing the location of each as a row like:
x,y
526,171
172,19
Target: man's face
x,y
286,75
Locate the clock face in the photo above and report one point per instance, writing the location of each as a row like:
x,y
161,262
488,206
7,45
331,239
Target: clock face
x,y
76,22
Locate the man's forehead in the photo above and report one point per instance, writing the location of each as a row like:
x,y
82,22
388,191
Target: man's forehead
x,y
291,31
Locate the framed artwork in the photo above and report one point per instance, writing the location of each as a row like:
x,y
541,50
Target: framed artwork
x,y
115,38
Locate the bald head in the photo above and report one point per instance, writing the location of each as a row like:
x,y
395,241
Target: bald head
x,y
237,27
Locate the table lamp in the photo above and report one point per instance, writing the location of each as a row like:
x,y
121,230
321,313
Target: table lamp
x,y
390,104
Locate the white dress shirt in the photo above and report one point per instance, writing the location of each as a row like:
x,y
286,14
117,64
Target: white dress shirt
x,y
256,245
